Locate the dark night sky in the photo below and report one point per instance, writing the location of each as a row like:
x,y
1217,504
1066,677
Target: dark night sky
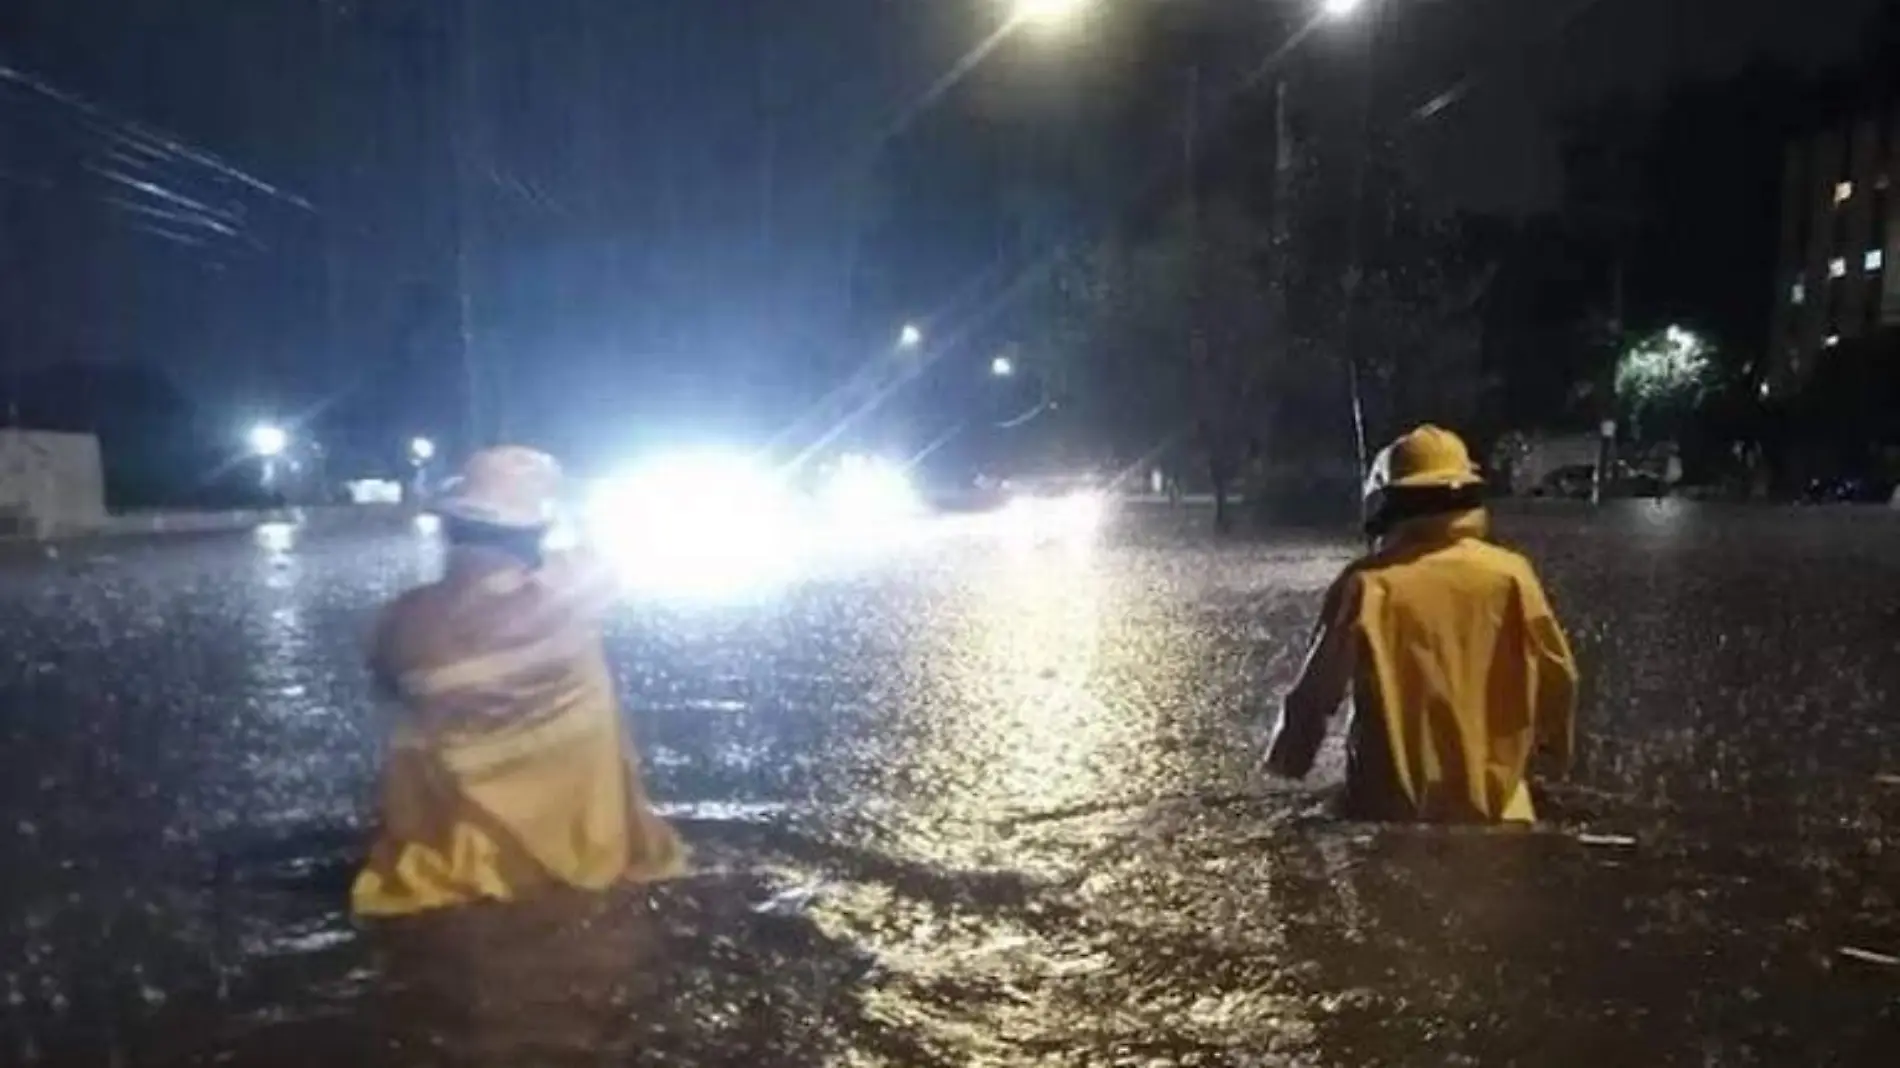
x,y
707,300
1496,151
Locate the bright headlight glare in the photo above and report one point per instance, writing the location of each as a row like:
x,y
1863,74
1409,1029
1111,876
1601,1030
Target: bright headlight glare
x,y
865,488
695,523
1071,516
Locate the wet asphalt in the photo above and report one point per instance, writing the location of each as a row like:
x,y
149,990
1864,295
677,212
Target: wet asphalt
x,y
974,802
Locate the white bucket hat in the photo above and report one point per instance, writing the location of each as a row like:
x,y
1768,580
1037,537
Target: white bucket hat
x,y
507,486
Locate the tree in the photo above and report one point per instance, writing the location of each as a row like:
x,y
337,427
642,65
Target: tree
x,y
1544,326
1168,337
1661,381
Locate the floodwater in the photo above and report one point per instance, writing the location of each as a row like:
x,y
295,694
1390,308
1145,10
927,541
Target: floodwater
x,y
981,805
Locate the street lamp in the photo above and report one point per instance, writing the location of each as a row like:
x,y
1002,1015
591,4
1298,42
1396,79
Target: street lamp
x,y
1048,12
1002,367
910,337
269,441
1341,9
421,450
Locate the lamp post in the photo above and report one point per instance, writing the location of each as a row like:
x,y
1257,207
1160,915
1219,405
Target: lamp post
x,y
421,451
1339,11
1051,13
269,443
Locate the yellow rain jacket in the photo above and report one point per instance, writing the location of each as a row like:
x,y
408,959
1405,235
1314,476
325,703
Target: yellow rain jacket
x,y
509,770
1458,670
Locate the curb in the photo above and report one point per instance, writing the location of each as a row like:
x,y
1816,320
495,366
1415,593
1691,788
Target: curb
x,y
148,523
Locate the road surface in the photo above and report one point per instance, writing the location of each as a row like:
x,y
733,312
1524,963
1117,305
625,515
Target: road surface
x,y
980,804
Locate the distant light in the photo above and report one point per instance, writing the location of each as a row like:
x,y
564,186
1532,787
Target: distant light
x,y
1798,293
1341,9
373,491
1765,390
1832,341
422,450
428,525
1071,517
1837,267
1875,259
268,440
1843,192
910,337
1002,367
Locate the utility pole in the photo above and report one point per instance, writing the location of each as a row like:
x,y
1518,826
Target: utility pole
x,y
1190,146
1606,388
13,274
463,116
1213,430
1355,240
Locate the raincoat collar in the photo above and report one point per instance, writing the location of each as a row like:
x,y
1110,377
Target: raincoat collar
x,y
483,564
1432,531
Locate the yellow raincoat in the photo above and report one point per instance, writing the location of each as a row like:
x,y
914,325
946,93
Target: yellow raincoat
x,y
1458,670
509,770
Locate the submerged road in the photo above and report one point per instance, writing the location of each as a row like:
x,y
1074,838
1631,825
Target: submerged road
x,y
982,804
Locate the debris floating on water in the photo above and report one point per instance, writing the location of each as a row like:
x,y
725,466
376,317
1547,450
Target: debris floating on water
x,y
1870,956
790,901
1615,841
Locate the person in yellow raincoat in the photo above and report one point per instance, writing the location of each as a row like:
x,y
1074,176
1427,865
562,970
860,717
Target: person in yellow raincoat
x,y
1456,664
509,771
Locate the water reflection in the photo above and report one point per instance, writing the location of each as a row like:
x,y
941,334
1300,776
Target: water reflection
x,y
1038,623
276,538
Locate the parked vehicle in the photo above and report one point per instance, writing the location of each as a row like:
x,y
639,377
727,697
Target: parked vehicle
x,y
1571,483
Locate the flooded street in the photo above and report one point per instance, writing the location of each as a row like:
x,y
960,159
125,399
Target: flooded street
x,y
980,805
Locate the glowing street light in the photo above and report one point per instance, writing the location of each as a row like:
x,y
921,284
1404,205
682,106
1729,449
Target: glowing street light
x,y
1341,9
1002,367
1048,12
910,337
421,450
269,441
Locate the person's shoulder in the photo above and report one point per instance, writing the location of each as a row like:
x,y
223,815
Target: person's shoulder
x,y
1349,584
1506,563
1501,556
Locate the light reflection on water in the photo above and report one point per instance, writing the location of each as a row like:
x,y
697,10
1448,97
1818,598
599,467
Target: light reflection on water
x,y
1002,810
1038,627
276,538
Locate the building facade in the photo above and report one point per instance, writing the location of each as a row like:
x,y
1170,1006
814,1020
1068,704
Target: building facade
x,y
1839,276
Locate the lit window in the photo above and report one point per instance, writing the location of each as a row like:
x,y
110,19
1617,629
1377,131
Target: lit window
x,y
1837,267
1832,341
1798,293
1876,259
1843,192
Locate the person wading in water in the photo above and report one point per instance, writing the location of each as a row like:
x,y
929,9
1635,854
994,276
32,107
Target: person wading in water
x,y
1456,664
509,773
